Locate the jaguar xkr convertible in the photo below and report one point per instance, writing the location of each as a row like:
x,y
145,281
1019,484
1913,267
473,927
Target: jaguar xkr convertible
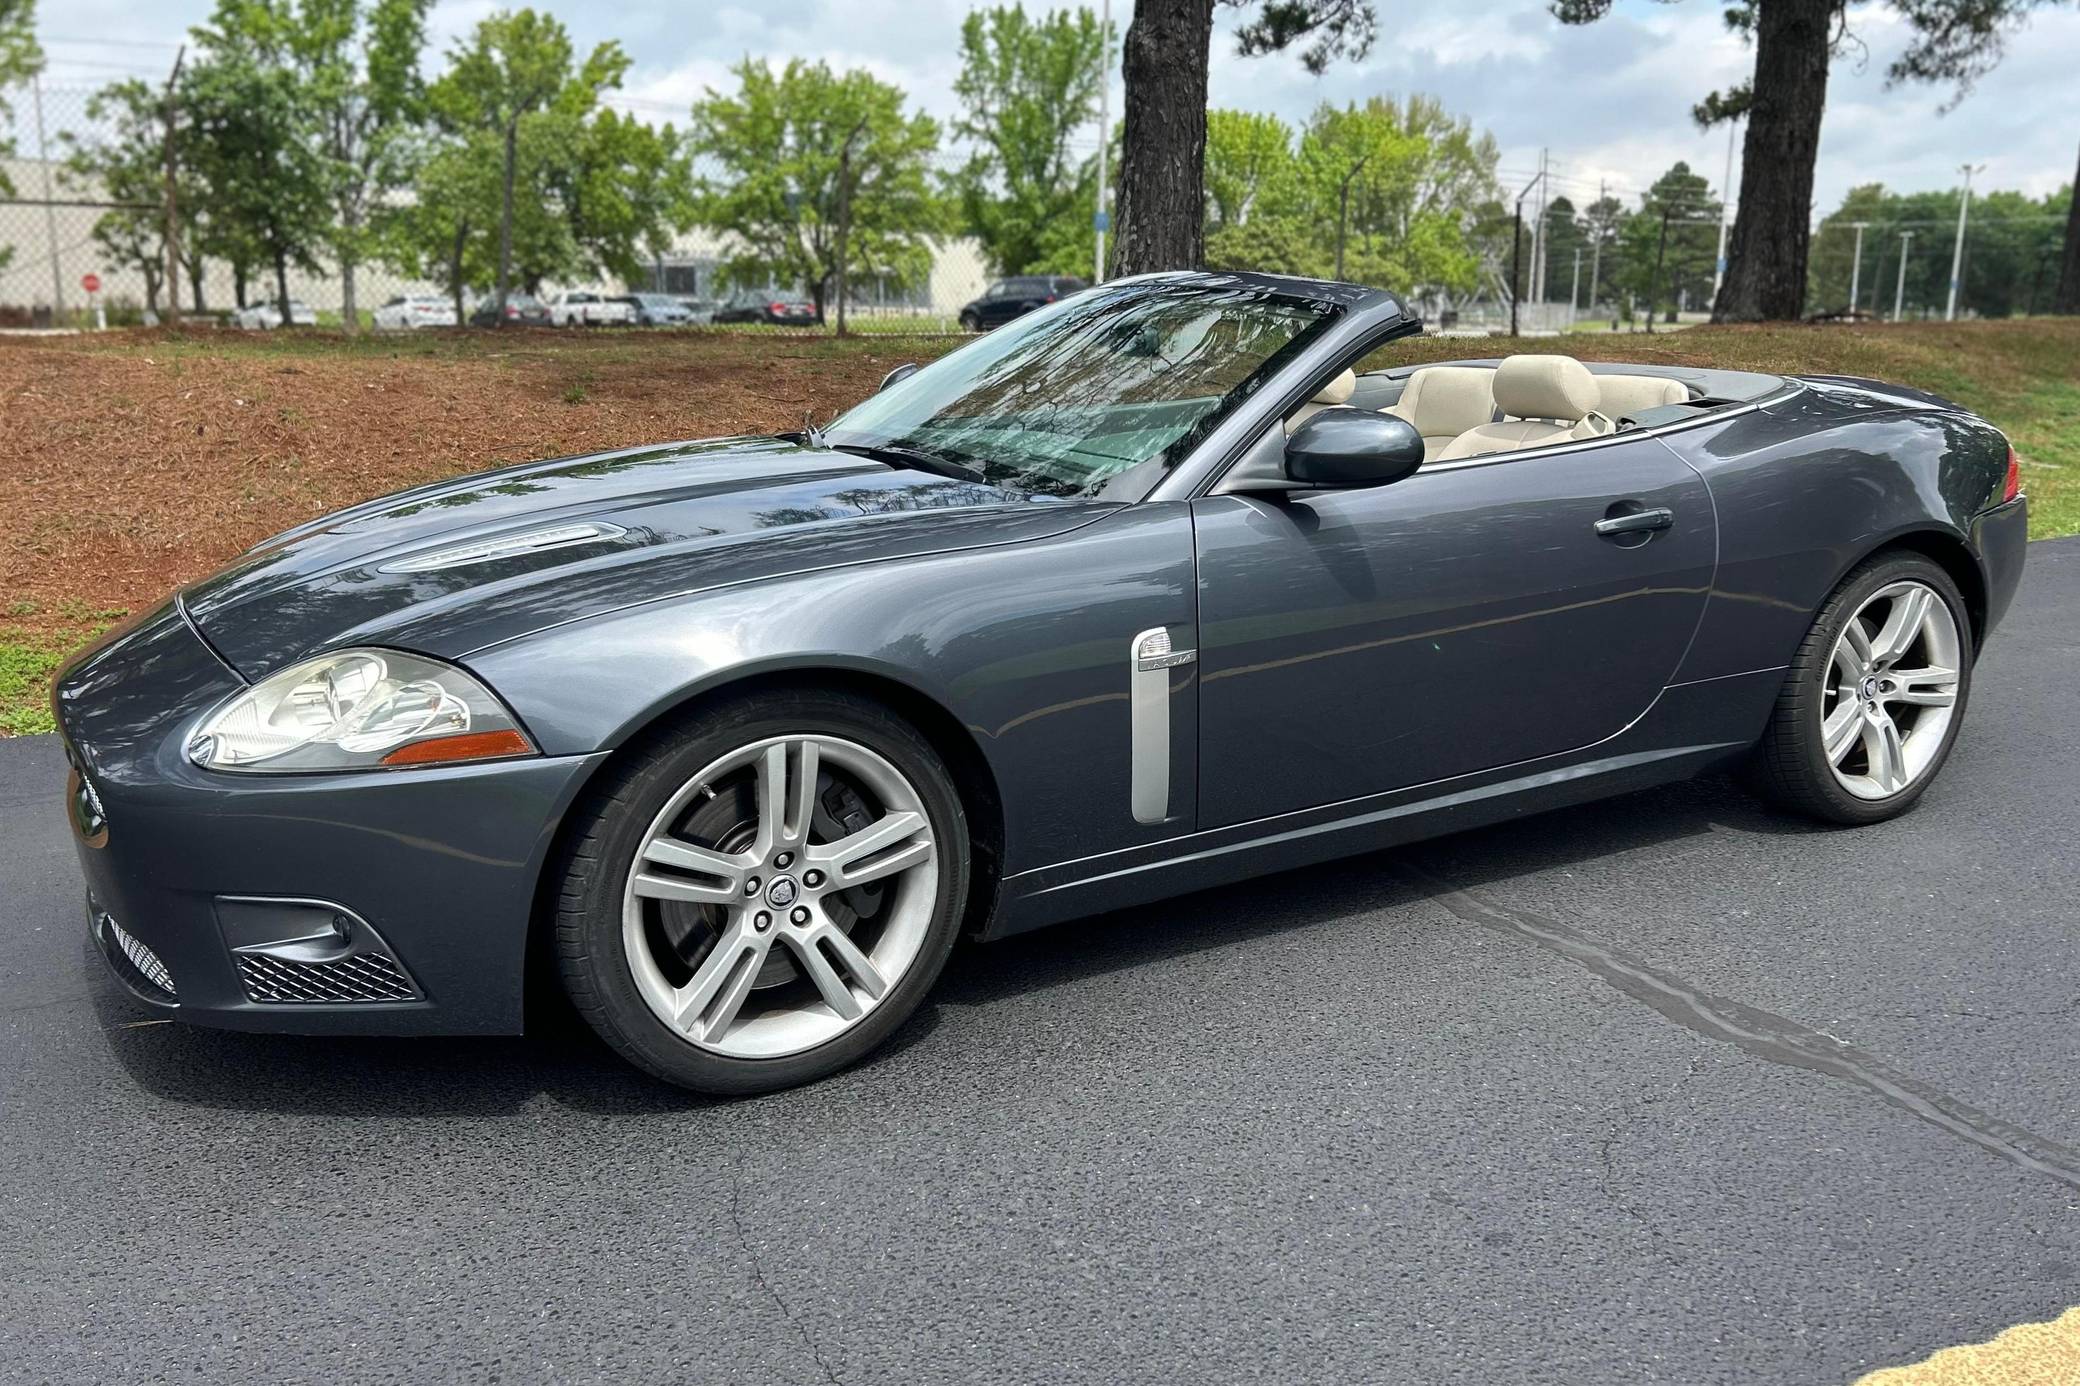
x,y
1146,592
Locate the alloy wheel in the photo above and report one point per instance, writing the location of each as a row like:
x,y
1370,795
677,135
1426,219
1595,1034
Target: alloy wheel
x,y
780,895
1891,690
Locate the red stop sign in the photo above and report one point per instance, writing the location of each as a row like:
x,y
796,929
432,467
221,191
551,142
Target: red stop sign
x,y
91,283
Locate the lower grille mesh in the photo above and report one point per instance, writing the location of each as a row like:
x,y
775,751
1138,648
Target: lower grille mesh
x,y
142,958
363,977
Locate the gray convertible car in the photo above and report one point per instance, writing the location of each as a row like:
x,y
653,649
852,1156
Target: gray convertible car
x,y
1147,592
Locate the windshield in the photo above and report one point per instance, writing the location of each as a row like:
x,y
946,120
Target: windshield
x,y
1063,399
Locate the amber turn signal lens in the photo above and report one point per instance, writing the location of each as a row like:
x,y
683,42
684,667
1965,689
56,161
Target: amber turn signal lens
x,y
468,746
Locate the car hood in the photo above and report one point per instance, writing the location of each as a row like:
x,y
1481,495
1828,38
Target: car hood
x,y
670,520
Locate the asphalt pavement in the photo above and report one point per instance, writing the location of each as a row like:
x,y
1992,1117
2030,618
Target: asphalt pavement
x,y
1665,1089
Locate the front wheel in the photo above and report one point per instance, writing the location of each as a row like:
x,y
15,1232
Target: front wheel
x,y
762,899
1874,697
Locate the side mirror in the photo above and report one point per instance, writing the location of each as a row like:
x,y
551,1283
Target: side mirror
x,y
1352,447
898,375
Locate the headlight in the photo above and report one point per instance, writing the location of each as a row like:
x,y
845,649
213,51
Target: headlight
x,y
358,710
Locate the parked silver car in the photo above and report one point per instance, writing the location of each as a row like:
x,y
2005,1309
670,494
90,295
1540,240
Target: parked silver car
x,y
414,311
265,317
584,308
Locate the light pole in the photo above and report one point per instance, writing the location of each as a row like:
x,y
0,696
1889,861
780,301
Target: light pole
x,y
1957,251
1856,268
1099,221
1899,290
1516,254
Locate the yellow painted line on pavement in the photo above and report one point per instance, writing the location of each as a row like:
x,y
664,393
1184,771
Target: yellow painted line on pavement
x,y
2029,1354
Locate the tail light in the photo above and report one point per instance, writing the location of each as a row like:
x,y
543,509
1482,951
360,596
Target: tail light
x,y
2013,486
1049,299
511,311
777,307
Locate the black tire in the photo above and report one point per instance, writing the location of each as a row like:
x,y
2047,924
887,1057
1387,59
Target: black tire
x,y
970,323
608,829
1789,767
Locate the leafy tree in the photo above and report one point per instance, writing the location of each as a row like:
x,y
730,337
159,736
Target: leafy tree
x,y
514,65
1026,87
625,187
798,150
446,232
1951,41
251,140
359,66
1602,222
1668,248
20,57
1564,236
128,166
2011,251
1250,169
1163,167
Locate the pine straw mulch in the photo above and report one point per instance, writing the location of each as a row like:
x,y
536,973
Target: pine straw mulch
x,y
135,462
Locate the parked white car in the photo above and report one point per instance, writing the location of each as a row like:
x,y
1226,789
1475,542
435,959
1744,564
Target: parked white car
x,y
414,311
265,317
583,308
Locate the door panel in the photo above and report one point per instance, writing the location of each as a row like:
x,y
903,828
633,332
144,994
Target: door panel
x,y
1355,642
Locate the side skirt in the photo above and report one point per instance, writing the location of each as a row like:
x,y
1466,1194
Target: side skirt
x,y
1689,728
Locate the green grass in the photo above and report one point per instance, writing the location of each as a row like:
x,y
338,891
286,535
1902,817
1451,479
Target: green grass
x,y
26,664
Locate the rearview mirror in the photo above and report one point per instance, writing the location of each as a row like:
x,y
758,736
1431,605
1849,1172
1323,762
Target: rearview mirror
x,y
1352,447
898,375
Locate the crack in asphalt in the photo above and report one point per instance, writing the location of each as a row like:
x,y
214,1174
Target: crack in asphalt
x,y
758,1274
1623,1119
1764,1034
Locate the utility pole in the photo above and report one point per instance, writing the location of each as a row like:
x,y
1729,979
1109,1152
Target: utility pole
x,y
1957,252
1725,211
1598,226
50,210
1574,290
1856,268
845,214
1343,209
173,223
1516,254
1537,286
1099,221
1899,290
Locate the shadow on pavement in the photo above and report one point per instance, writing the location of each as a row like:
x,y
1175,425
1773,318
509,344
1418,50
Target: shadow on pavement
x,y
561,1058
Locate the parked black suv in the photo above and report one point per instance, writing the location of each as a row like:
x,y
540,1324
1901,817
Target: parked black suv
x,y
1014,296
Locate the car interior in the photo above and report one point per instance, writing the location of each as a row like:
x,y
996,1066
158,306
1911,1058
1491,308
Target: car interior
x,y
1522,401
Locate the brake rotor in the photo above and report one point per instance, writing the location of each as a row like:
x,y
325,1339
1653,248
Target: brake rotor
x,y
727,821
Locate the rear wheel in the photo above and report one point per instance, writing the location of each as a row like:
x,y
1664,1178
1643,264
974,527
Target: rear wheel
x,y
1874,697
970,323
763,899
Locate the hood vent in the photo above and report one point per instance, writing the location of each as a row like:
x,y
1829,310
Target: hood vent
x,y
506,546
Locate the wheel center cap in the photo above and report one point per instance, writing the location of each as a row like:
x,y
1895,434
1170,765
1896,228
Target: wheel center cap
x,y
1870,689
784,891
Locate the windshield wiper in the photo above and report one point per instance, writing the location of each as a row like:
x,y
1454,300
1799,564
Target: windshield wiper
x,y
898,455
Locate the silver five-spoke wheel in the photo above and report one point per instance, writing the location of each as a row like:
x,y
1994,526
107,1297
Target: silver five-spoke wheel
x,y
1891,690
780,895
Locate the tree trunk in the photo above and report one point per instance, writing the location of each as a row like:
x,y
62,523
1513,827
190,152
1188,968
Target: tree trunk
x,y
1162,172
2068,297
505,222
1766,257
195,268
281,286
238,283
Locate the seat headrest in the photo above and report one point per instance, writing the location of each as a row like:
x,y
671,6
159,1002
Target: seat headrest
x,y
1337,391
1545,387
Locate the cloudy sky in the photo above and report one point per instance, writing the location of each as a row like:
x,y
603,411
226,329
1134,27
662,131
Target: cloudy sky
x,y
1610,101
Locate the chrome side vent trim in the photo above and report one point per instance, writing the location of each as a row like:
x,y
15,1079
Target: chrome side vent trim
x,y
506,546
1150,659
310,952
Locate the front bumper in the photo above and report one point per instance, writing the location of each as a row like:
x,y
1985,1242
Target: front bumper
x,y
435,868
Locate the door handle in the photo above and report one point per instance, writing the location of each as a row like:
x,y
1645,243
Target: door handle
x,y
1637,522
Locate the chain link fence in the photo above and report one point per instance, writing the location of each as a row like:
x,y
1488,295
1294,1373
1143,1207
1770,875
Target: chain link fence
x,y
59,228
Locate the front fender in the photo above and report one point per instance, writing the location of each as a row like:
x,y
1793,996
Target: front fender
x,y
1025,645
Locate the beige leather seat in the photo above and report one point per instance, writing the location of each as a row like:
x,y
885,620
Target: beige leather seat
x,y
1630,394
1550,399
1443,402
1337,391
